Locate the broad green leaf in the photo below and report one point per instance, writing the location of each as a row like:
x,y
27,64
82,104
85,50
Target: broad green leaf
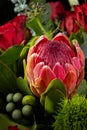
x,y
5,122
56,84
54,92
82,88
11,54
52,99
23,86
7,79
35,27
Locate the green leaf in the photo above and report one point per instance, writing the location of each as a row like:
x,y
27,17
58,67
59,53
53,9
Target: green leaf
x,y
52,99
7,79
56,84
5,122
82,88
11,55
53,94
23,86
35,27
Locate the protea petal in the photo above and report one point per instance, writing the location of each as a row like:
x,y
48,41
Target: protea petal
x,y
47,75
81,76
59,71
63,38
70,79
31,62
37,69
80,53
42,39
76,63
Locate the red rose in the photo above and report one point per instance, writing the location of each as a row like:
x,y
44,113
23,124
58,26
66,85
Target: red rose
x,y
57,10
81,14
69,22
13,32
13,128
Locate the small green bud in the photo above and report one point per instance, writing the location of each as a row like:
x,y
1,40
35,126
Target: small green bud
x,y
10,107
9,97
27,110
17,97
16,114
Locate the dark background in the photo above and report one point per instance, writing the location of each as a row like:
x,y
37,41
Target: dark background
x,y
7,13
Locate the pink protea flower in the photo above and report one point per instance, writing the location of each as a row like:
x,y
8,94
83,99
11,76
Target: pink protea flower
x,y
48,60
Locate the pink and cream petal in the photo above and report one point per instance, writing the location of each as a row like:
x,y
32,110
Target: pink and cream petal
x,y
40,86
70,79
47,75
34,90
81,76
63,38
59,71
37,69
41,40
76,63
80,53
31,62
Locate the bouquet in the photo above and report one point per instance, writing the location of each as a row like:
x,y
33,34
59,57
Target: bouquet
x,y
43,57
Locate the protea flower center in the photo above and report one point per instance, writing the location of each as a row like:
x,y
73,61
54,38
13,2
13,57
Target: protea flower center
x,y
48,60
55,51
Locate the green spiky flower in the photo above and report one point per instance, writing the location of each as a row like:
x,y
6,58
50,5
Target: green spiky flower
x,y
72,114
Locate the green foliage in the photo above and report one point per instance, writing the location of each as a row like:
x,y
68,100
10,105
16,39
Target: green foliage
x,y
54,93
72,114
82,88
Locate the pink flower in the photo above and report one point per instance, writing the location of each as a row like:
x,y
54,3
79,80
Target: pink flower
x,y
57,10
13,32
48,60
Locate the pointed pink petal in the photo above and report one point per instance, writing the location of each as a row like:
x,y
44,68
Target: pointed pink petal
x,y
70,79
80,53
76,63
47,75
62,37
41,40
31,62
59,71
37,69
81,76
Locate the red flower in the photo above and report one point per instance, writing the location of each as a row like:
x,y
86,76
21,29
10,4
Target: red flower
x,y
69,22
13,128
81,14
13,32
57,10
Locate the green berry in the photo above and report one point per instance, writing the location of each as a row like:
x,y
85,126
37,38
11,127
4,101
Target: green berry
x,y
16,114
17,97
27,110
29,99
9,97
10,107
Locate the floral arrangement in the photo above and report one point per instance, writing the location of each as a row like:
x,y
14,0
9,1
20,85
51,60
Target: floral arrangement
x,y
43,57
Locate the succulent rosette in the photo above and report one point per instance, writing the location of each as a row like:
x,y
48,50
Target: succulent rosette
x,y
48,60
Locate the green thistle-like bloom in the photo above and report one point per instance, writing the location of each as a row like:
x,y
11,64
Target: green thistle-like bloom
x,y
72,114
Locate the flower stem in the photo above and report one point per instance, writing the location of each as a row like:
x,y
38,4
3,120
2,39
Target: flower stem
x,y
42,28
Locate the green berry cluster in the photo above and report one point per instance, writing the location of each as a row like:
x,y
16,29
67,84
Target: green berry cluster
x,y
20,106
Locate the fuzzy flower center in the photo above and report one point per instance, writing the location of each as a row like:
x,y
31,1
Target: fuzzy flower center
x,y
56,51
